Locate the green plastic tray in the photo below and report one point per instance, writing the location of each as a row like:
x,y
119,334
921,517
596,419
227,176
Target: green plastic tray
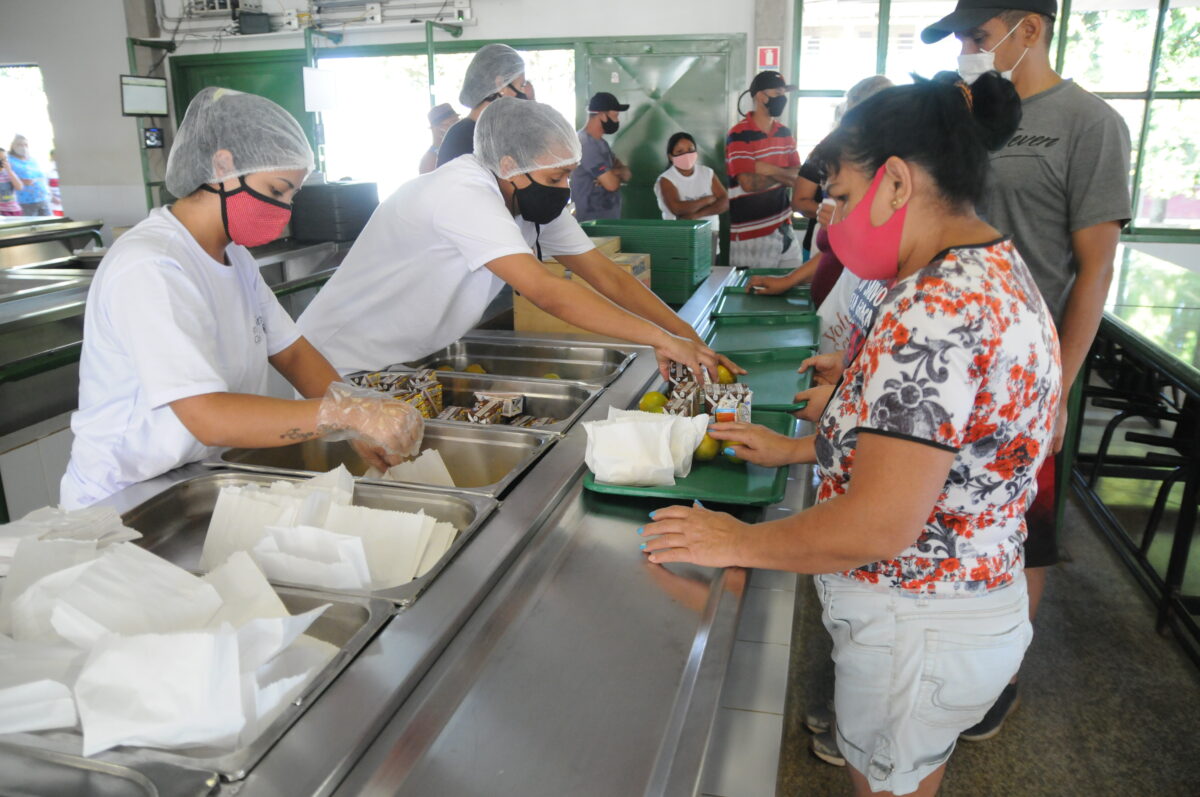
x,y
750,333
719,480
735,301
772,376
743,278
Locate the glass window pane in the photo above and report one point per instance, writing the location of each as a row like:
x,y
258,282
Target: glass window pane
x,y
837,43
1171,170
906,52
1109,44
1179,58
815,120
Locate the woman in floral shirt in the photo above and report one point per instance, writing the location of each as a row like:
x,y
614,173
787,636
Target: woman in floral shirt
x,y
929,447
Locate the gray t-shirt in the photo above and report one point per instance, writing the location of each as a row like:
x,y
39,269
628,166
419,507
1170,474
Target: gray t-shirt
x,y
592,200
1066,168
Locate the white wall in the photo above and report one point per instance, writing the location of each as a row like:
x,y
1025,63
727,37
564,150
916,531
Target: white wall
x,y
80,47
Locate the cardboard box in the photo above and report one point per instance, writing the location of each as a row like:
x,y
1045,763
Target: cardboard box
x,y
528,317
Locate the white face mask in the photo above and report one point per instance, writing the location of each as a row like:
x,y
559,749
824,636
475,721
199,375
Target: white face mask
x,y
972,65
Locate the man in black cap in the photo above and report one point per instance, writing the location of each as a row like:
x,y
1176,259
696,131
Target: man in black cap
x,y
596,183
762,163
1060,188
441,118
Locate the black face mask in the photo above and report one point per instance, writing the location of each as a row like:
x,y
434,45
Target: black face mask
x,y
609,126
520,95
775,105
542,204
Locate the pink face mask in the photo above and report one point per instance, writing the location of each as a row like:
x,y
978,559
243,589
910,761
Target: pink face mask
x,y
686,161
870,252
250,218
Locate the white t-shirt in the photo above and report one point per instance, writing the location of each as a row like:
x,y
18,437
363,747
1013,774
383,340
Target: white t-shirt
x,y
415,280
695,186
164,321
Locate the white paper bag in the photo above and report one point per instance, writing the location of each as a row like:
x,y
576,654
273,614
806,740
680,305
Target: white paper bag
x,y
314,557
686,433
36,706
35,559
630,451
245,593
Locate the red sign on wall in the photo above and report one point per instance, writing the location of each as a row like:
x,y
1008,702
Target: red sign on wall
x,y
768,57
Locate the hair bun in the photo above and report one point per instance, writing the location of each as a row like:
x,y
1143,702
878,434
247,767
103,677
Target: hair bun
x,y
996,107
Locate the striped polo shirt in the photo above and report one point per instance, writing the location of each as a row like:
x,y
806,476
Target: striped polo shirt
x,y
758,213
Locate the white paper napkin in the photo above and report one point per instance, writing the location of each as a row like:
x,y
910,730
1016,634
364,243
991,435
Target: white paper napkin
x,y
630,451
36,706
686,433
313,556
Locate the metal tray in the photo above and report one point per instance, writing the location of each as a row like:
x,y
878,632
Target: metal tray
x,y
175,521
481,459
596,365
349,623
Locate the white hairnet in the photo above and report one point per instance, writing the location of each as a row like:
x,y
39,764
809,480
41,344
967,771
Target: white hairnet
x,y
493,67
534,135
261,137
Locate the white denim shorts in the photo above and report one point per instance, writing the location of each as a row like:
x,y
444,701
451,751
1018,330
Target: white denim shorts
x,y
914,672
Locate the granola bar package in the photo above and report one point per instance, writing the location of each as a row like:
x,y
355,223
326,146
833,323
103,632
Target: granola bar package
x,y
487,412
680,374
453,413
511,404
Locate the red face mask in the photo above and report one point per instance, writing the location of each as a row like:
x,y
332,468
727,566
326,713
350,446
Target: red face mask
x,y
870,252
250,218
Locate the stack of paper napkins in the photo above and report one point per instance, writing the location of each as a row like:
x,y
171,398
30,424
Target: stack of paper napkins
x,y
99,524
429,468
136,651
642,449
309,533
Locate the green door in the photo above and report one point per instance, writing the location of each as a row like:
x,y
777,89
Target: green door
x,y
276,75
672,85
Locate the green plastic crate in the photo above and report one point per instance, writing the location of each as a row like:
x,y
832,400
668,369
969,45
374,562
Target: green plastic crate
x,y
680,250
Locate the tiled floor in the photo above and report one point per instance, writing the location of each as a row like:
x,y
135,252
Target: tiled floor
x,y
743,754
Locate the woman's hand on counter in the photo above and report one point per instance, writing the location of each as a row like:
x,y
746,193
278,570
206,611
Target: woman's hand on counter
x,y
756,444
693,534
768,286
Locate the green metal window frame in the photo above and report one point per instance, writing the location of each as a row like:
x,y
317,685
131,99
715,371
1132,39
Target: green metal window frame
x,y
1132,233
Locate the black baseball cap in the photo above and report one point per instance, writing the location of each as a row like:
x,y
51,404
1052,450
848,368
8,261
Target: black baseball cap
x,y
970,14
602,101
768,79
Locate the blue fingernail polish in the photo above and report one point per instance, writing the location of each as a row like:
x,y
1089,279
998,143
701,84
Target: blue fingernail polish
x,y
642,546
697,503
641,529
652,515
727,452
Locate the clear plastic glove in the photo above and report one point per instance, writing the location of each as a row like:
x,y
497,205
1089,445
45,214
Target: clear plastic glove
x,y
378,420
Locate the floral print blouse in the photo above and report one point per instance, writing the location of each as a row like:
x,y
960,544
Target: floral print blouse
x,y
963,356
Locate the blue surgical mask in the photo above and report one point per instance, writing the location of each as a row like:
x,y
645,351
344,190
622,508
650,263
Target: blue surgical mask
x,y
972,65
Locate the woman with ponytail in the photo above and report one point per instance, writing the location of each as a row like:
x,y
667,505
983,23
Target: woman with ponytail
x,y
928,449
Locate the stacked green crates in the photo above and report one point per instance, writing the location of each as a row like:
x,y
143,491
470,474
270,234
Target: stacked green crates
x,y
680,251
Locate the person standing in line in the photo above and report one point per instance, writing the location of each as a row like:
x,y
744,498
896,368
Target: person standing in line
x,y
762,164
10,183
1060,188
35,196
497,70
690,190
441,119
596,184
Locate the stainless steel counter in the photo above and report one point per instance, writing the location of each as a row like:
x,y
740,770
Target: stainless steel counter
x,y
547,658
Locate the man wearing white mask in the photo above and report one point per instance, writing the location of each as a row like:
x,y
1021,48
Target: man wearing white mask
x,y
1060,188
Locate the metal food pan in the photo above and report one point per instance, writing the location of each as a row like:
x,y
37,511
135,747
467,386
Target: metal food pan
x,y
174,522
551,398
348,624
596,365
481,459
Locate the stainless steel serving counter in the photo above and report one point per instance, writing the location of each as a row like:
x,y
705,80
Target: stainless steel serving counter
x,y
548,658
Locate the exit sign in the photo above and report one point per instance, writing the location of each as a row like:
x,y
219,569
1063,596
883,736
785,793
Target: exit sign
x,y
768,57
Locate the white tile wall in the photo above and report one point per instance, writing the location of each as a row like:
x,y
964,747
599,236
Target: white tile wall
x,y
30,473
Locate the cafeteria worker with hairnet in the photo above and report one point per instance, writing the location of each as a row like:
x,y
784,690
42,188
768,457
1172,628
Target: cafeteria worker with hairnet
x,y
437,251
180,326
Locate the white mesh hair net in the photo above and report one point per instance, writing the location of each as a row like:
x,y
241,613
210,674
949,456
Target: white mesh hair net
x,y
492,68
860,91
532,135
261,137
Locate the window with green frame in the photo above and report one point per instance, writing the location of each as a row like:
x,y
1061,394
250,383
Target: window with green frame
x,y
1138,55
